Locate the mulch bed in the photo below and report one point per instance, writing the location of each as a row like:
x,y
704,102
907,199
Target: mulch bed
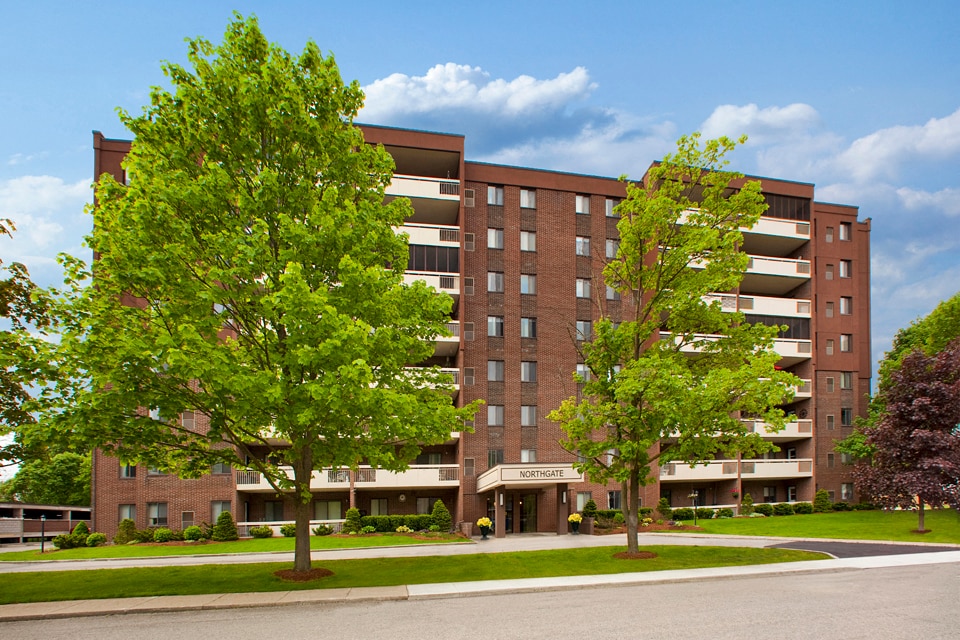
x,y
289,575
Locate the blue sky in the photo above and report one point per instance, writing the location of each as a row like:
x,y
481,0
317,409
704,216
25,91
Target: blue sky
x,y
860,98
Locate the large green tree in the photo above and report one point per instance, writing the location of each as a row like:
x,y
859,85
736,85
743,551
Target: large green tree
x,y
250,272
671,380
63,478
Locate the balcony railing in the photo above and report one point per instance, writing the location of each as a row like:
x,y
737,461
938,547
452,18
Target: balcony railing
x,y
727,469
763,305
416,476
422,187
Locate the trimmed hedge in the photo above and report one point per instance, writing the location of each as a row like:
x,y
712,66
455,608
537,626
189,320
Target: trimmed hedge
x,y
705,513
96,539
683,513
725,512
288,530
764,509
193,533
803,508
162,534
263,531
783,509
386,524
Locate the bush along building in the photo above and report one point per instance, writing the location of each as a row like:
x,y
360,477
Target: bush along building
x,y
521,252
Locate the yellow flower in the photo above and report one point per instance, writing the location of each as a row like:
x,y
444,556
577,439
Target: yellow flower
x,y
484,522
575,517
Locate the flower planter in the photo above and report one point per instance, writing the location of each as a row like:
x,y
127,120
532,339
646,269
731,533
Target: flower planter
x,y
483,532
576,528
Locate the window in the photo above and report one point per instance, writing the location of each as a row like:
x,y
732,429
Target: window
x,y
528,284
528,455
829,347
528,327
153,471
495,196
846,342
378,507
831,420
273,511
845,230
583,497
188,419
846,417
583,287
156,514
220,468
494,415
494,457
846,491
429,458
829,237
425,505
613,500
583,246
584,372
494,238
469,467
846,269
828,272
128,471
583,204
584,329
127,512
422,257
612,294
846,458
610,204
494,282
846,306
495,326
495,370
528,199
528,241
528,415
846,379
829,310
612,247
186,519
769,494
829,384
830,461
217,507
528,371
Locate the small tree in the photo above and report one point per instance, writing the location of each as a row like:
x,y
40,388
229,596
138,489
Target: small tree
x,y
822,502
352,522
225,529
664,509
126,531
746,505
441,516
915,446
590,509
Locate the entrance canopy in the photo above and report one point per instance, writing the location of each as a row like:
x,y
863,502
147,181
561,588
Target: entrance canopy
x,y
527,476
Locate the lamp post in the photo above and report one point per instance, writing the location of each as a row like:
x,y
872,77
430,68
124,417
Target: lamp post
x,y
43,531
693,496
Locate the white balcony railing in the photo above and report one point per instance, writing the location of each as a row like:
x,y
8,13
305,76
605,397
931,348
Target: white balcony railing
x,y
447,282
433,235
422,187
727,469
793,431
434,476
763,305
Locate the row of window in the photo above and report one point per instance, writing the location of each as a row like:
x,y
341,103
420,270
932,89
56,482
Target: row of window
x,y
846,232
528,283
846,419
846,344
130,471
528,200
495,456
846,307
528,371
157,513
846,381
495,415
528,242
846,270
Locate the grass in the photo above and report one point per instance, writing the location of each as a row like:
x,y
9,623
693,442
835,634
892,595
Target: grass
x,y
252,545
373,572
944,526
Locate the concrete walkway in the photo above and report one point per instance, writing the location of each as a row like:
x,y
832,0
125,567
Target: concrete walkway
x,y
79,608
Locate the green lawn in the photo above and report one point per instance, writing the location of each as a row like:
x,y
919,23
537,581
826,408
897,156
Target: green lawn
x,y
251,545
121,583
944,526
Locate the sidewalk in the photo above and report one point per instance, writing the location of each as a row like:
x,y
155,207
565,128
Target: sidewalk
x,y
81,608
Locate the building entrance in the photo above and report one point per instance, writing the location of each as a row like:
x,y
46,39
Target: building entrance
x,y
528,513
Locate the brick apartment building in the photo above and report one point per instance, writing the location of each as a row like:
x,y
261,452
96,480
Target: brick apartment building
x,y
521,252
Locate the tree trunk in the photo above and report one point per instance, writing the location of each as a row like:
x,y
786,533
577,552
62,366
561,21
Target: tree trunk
x,y
302,474
920,525
633,504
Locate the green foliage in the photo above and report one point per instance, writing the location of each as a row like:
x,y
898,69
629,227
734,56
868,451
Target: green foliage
x,y
802,508
645,512
288,530
163,534
384,524
441,516
705,513
822,502
352,522
725,512
225,529
663,508
81,529
864,506
322,530
254,202
644,389
764,509
368,529
746,505
61,479
96,539
434,528
143,535
590,509
64,541
193,533
683,513
126,531
404,529
618,518
841,506
265,531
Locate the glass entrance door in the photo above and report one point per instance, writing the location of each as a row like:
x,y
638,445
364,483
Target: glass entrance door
x,y
528,513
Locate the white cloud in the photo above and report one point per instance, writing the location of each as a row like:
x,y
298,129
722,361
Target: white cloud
x,y
462,87
883,152
945,200
771,124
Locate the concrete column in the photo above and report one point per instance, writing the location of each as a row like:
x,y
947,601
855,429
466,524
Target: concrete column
x,y
563,508
500,528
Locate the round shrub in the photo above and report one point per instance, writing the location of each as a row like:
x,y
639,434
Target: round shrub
x,y
126,531
322,530
162,535
705,513
764,509
683,513
96,539
81,530
64,541
618,518
841,506
590,509
783,509
226,528
434,528
442,517
262,531
725,512
193,533
352,523
288,530
803,508
143,535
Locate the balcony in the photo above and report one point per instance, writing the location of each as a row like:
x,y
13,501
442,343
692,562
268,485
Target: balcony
x,y
776,236
426,476
432,235
448,346
434,200
774,276
796,430
763,305
449,283
717,470
804,391
791,351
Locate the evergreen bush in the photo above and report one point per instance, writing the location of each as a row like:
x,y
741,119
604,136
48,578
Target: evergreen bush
x,y
263,531
683,513
746,505
821,502
81,530
193,533
64,541
352,523
841,506
162,534
725,512
705,513
618,518
783,509
225,529
96,539
143,535
126,531
803,508
645,512
288,530
322,530
663,508
442,517
764,509
590,509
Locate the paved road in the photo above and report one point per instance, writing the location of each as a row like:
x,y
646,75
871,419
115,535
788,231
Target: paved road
x,y
859,549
